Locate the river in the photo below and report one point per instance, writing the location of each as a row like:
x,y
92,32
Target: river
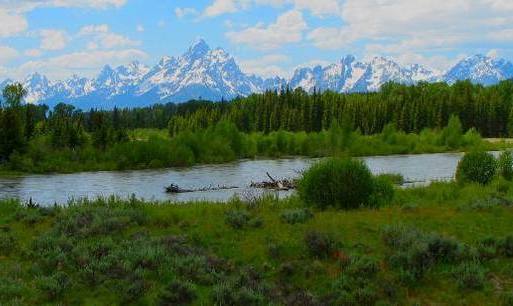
x,y
150,184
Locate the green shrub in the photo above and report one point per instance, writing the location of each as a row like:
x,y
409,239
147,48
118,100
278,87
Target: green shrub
x,y
7,243
177,293
470,276
506,246
382,192
342,183
452,134
505,165
320,245
358,284
413,253
294,216
478,167
228,294
507,298
55,285
237,218
246,288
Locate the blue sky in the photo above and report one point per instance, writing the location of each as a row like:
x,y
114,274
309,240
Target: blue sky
x,y
64,37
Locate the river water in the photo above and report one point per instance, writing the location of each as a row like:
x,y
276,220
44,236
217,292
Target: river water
x,y
150,184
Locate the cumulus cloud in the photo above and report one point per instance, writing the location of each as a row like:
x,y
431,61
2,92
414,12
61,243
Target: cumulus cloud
x,y
28,5
185,11
33,53
407,29
53,39
220,7
288,28
317,7
84,63
7,54
102,37
12,23
267,66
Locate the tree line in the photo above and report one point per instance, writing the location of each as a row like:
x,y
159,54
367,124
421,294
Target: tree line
x,y
33,131
410,108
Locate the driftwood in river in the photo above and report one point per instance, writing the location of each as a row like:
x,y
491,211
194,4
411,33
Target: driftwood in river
x,y
175,189
275,184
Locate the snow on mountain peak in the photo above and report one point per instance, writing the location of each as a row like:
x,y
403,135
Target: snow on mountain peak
x,y
202,72
197,50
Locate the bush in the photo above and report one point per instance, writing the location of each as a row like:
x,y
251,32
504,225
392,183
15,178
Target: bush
x,y
246,288
342,183
506,246
478,167
505,165
469,276
507,298
414,252
239,219
55,285
383,192
320,245
358,284
7,243
177,293
296,216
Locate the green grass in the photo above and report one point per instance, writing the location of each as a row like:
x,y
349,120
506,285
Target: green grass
x,y
110,251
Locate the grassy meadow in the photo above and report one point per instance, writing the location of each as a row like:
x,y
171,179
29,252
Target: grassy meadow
x,y
445,244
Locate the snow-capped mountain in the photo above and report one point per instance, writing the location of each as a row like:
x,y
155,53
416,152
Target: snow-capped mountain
x,y
202,72
480,69
349,75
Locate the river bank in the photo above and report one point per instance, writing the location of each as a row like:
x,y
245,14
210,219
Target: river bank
x,y
150,184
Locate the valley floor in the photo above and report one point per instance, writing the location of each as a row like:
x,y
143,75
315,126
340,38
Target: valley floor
x,y
445,244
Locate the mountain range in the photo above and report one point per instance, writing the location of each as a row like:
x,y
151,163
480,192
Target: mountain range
x,y
213,74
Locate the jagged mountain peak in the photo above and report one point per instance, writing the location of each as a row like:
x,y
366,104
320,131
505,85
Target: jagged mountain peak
x,y
197,50
480,69
214,74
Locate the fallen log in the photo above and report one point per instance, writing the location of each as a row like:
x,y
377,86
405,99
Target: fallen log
x,y
176,189
274,184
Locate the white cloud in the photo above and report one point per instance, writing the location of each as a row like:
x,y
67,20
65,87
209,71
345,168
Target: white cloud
x,y
266,66
103,37
28,5
401,21
53,39
11,24
220,7
288,28
93,29
33,53
185,11
317,7
139,28
494,53
421,31
84,63
13,21
7,53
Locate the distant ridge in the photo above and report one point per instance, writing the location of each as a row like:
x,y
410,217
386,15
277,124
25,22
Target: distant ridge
x,y
213,74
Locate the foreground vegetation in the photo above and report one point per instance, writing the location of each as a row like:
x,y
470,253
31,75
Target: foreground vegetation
x,y
360,242
444,244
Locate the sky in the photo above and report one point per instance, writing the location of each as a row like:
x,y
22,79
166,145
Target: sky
x,y
59,38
